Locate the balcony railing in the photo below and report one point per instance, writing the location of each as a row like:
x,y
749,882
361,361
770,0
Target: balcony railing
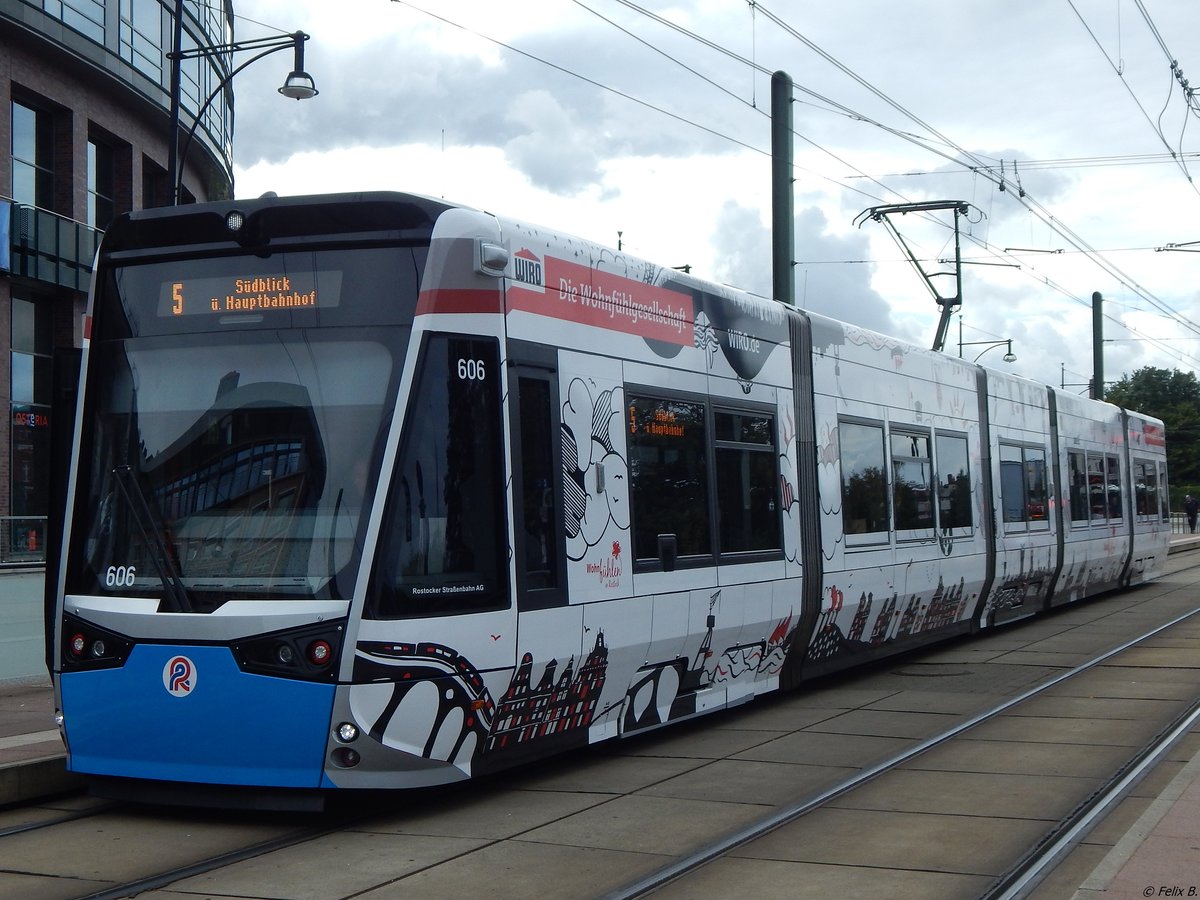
x,y
45,246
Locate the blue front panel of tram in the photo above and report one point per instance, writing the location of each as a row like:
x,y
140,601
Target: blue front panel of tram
x,y
177,713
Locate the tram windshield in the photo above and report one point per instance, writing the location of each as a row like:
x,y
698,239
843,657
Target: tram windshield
x,y
233,423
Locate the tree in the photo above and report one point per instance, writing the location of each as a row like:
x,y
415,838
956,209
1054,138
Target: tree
x,y
1174,397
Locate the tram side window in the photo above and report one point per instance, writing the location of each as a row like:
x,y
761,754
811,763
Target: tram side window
x,y
443,548
864,478
1023,487
1145,485
1077,473
912,468
1116,505
1164,506
954,482
540,524
668,472
747,482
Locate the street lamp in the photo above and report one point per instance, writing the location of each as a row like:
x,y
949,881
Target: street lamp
x,y
299,85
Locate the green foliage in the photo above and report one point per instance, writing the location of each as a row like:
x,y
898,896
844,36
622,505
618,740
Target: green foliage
x,y
1174,397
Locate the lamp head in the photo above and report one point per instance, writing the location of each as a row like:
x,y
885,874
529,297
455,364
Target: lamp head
x,y
299,86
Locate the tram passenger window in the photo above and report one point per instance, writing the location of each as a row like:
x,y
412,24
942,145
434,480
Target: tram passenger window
x,y
1164,507
1024,491
747,482
864,478
912,468
1097,490
668,473
1012,484
539,522
1145,485
954,482
1077,473
1113,488
443,548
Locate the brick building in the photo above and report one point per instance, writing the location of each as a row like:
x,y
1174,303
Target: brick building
x,y
85,124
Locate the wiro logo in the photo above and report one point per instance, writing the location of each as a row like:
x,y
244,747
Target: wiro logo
x,y
179,676
527,268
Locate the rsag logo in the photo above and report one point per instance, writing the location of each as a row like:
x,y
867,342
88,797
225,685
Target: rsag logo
x,y
179,676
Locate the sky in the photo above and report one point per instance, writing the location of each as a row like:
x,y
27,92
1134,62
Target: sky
x,y
1060,123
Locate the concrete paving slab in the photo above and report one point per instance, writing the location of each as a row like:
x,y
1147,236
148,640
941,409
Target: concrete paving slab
x,y
695,741
1173,657
887,723
1045,729
1129,682
490,815
967,794
971,845
599,773
750,781
1084,707
939,701
514,869
645,824
826,693
1044,658
1019,758
822,749
734,877
120,843
329,868
774,714
38,887
1070,873
1117,822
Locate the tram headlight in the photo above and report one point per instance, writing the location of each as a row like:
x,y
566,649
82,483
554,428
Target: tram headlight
x,y
309,652
320,653
347,732
345,758
88,646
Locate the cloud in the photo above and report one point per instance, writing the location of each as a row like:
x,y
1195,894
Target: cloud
x,y
831,276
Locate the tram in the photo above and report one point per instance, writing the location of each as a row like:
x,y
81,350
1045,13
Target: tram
x,y
374,491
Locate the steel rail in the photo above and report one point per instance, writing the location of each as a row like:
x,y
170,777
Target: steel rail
x,y
790,813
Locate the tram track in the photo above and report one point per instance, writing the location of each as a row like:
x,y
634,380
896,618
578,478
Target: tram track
x,y
1022,877
494,833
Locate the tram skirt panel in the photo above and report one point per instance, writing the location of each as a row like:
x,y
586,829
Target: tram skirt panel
x,y
176,713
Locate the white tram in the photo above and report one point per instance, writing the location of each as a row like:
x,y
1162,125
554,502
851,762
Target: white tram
x,y
374,491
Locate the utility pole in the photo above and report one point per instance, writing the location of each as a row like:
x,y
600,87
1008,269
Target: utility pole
x,y
783,218
1097,347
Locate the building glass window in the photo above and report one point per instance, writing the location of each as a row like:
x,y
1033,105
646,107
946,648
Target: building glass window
x,y
101,181
141,33
31,371
32,156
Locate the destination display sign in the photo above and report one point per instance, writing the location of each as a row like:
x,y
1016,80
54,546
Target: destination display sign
x,y
249,293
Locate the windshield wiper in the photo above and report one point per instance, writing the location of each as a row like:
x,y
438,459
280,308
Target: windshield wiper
x,y
176,599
